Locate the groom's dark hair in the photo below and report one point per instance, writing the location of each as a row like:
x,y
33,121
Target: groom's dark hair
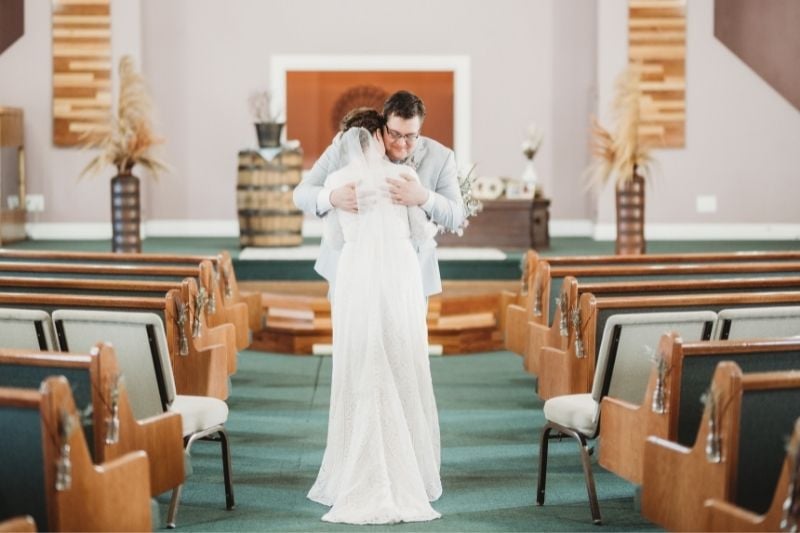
x,y
363,117
404,104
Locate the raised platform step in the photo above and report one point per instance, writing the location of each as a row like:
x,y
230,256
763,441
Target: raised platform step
x,y
458,322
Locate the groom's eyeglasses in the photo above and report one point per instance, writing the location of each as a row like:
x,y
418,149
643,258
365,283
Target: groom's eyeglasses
x,y
396,136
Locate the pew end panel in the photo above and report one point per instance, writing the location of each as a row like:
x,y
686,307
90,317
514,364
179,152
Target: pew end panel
x,y
570,371
505,299
539,294
727,516
677,479
558,333
218,311
516,329
202,335
18,524
98,392
626,426
732,459
112,496
159,435
232,293
202,372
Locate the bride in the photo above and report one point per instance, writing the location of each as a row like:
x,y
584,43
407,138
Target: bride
x,y
382,459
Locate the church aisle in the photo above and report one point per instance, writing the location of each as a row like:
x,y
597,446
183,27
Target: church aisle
x,y
490,422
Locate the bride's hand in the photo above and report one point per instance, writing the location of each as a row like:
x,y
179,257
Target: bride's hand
x,y
344,198
407,191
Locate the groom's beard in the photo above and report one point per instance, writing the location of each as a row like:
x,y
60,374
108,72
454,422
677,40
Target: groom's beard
x,y
404,161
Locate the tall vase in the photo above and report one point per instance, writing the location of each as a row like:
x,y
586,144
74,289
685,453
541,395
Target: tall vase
x,y
630,217
125,214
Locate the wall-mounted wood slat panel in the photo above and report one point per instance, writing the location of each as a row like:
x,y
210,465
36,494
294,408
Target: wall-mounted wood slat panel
x,y
657,42
81,69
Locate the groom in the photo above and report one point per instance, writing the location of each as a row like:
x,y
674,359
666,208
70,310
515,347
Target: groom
x,y
437,192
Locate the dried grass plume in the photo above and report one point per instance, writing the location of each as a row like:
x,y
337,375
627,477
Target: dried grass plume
x,y
130,138
621,153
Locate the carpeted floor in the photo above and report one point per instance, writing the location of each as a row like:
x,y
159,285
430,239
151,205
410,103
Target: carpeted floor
x,y
490,422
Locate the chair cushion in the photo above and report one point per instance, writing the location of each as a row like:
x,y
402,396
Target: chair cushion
x,y
577,411
199,412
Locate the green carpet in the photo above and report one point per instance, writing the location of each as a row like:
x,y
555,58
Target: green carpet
x,y
490,423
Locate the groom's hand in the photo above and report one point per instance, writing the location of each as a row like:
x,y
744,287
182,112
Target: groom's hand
x,y
344,198
407,191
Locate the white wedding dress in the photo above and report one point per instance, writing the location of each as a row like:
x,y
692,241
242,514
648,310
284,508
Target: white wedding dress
x,y
382,459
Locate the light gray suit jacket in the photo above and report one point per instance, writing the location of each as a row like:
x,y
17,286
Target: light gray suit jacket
x,y
435,164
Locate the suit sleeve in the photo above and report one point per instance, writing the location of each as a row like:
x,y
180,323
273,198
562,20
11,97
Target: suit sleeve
x,y
306,192
448,207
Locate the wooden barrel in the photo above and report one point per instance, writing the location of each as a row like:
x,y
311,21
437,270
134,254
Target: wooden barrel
x,y
267,214
630,217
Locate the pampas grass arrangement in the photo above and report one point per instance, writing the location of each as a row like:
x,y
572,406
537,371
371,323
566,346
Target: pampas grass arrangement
x,y
131,137
622,152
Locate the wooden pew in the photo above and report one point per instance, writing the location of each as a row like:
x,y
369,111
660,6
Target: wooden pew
x,y
532,260
621,372
687,370
224,275
114,496
517,306
144,358
561,333
113,430
200,367
559,266
570,371
739,459
227,312
727,516
224,333
546,281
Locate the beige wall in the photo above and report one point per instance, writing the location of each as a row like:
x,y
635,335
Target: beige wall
x,y
26,82
531,61
742,139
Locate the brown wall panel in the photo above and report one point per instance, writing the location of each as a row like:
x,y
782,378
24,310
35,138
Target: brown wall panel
x,y
764,34
317,100
12,22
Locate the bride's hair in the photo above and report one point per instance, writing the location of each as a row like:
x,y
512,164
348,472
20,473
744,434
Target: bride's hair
x,y
363,117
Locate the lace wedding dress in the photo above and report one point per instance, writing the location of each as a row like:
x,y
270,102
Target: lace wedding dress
x,y
382,459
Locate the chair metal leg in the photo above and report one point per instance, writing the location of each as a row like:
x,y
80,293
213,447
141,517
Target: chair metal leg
x,y
215,433
226,469
173,506
540,486
586,462
589,477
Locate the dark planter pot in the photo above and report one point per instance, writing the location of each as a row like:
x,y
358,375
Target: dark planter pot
x,y
269,134
630,217
125,214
